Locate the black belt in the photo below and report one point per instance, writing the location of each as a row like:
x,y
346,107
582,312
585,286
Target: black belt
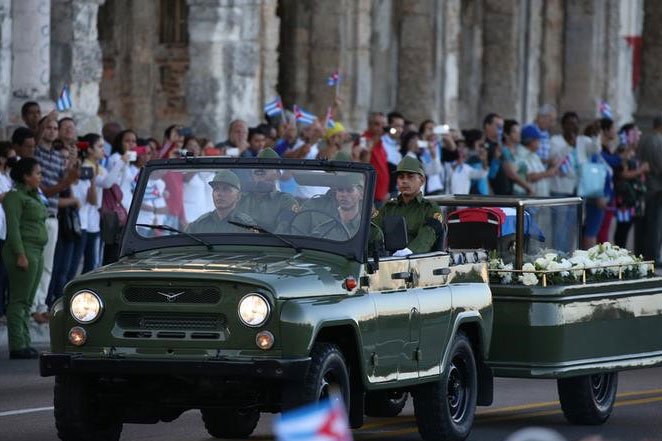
x,y
50,215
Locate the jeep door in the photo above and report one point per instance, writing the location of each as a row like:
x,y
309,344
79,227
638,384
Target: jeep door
x,y
430,278
397,322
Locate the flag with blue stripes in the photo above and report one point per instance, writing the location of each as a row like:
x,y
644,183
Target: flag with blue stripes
x,y
303,117
322,421
330,123
64,100
334,79
274,107
605,109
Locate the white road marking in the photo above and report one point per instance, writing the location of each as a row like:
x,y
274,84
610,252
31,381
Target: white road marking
x,y
22,411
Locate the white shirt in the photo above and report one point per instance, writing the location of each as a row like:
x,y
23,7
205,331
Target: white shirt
x,y
532,163
5,186
197,194
127,178
461,176
566,181
392,149
90,218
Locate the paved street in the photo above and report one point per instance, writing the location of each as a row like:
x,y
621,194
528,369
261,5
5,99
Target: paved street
x,y
519,403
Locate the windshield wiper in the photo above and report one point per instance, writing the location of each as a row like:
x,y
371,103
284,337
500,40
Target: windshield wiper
x,y
209,246
264,230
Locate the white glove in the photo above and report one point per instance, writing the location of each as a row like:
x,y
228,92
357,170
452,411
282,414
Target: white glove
x,y
402,253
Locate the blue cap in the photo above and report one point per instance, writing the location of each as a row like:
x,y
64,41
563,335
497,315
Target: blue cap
x,y
530,133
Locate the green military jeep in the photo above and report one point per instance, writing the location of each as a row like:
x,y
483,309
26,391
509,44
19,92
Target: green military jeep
x,y
277,290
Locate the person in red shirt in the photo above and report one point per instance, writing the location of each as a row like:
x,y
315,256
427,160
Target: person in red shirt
x,y
371,150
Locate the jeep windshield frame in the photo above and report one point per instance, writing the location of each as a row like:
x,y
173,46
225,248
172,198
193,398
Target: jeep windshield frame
x,y
353,248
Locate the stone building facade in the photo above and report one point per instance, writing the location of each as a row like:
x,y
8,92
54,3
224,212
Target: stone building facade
x,y
202,63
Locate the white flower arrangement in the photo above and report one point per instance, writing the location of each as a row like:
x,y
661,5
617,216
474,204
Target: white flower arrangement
x,y
603,261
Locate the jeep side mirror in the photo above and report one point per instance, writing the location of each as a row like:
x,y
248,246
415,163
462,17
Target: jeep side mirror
x,y
395,233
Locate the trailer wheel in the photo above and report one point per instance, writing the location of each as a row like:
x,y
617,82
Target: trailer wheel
x,y
589,399
445,409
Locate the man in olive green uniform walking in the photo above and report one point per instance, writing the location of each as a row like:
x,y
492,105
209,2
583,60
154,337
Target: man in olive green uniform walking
x,y
226,193
23,252
271,209
422,216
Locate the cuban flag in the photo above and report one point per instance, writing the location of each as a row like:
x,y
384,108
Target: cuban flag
x,y
605,109
274,107
64,100
322,421
303,117
565,165
334,79
330,123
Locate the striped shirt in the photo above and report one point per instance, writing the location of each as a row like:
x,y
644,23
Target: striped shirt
x,y
53,166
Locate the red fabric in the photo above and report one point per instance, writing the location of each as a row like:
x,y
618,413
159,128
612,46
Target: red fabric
x,y
603,234
174,184
378,160
483,215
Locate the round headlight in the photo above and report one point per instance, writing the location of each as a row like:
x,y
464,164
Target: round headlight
x,y
85,306
254,310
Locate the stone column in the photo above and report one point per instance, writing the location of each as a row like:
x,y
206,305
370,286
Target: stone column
x,y
650,88
551,81
76,59
585,60
31,55
470,65
384,56
511,55
450,82
224,81
5,60
420,66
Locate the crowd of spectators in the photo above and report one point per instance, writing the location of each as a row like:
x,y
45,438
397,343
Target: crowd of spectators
x,y
84,176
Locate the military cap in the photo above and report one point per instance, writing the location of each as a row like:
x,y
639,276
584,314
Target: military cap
x,y
268,153
410,165
227,177
342,156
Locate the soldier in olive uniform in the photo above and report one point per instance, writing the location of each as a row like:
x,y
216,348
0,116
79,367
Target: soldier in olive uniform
x,y
23,252
271,209
423,217
226,193
327,201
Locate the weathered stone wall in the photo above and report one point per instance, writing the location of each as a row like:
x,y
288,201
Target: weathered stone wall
x,y
143,84
76,59
5,61
384,56
551,62
226,48
31,29
650,89
471,67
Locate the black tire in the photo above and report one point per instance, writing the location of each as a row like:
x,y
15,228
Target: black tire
x,y
77,416
230,423
327,374
445,409
589,399
385,403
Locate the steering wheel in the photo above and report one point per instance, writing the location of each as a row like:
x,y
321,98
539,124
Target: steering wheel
x,y
334,221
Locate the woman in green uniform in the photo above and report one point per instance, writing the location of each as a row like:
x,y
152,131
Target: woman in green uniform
x,y
26,237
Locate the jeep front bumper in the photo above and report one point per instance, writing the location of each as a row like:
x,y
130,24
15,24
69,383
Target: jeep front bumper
x,y
282,369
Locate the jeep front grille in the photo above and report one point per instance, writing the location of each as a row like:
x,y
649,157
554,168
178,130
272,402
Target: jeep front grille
x,y
177,295
171,326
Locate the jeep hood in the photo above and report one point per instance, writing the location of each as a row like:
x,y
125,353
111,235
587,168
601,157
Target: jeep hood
x,y
284,273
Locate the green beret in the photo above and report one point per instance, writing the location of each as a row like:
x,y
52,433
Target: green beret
x,y
227,177
410,165
268,153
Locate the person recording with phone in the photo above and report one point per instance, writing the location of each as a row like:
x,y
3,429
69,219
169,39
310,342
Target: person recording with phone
x,y
94,178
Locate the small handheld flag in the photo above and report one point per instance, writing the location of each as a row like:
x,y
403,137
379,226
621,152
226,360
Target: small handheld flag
x,y
605,109
64,100
274,107
303,117
330,123
322,421
333,79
